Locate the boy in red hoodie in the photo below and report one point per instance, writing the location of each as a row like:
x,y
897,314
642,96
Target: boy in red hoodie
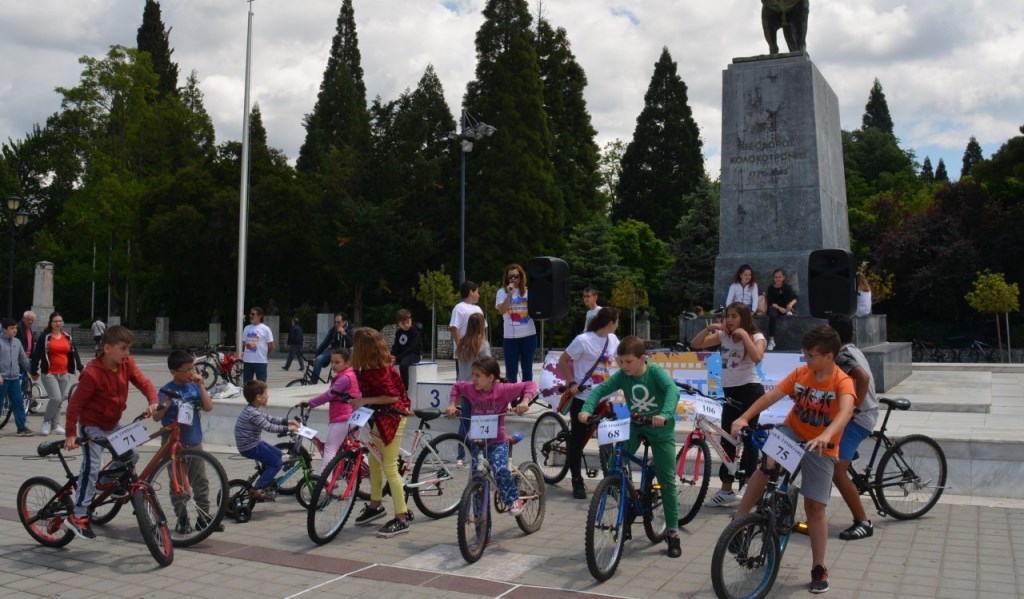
x,y
97,405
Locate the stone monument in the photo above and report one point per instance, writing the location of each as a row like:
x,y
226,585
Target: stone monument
x,y
42,294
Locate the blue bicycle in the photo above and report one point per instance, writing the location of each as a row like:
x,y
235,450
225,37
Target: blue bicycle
x,y
616,504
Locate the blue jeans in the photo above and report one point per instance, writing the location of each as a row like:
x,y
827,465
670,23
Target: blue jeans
x,y
270,457
11,390
252,371
519,353
321,360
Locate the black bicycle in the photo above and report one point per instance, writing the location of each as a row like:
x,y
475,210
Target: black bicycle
x,y
307,376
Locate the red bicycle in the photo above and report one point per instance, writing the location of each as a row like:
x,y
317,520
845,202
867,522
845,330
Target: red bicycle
x,y
219,363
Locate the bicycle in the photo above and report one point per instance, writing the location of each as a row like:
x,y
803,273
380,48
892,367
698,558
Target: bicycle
x,y
911,472
616,503
693,462
748,554
435,481
32,398
194,481
922,350
44,505
549,443
977,350
307,376
218,363
474,520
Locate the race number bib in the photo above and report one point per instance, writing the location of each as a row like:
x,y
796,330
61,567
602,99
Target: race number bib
x,y
127,438
305,431
612,431
186,413
483,427
783,450
709,408
360,416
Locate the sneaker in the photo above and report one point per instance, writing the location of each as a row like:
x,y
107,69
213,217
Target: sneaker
x,y
264,495
771,345
393,528
859,530
516,508
369,514
79,526
203,522
59,430
819,580
184,527
721,499
25,432
579,490
737,543
674,548
45,429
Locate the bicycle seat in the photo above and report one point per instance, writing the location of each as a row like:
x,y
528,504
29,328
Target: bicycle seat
x,y
50,448
900,403
427,415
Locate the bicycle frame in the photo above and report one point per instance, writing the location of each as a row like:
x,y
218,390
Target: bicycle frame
x,y
621,466
865,480
704,429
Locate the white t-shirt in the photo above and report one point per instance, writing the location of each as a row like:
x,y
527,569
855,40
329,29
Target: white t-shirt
x,y
590,316
584,350
255,338
737,368
517,321
460,318
863,303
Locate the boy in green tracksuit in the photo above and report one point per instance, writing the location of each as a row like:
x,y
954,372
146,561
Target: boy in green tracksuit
x,y
649,391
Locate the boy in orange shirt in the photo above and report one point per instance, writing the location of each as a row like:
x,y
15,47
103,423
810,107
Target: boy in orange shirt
x,y
823,398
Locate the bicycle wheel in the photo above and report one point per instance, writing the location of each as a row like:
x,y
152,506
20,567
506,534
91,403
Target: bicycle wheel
x,y
973,354
153,525
295,464
196,488
693,477
33,398
43,510
474,520
605,528
208,372
240,501
548,445
654,512
911,477
746,559
437,477
917,352
530,482
103,508
5,412
333,498
237,370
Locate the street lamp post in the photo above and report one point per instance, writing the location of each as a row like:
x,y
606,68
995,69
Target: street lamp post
x,y
472,130
15,218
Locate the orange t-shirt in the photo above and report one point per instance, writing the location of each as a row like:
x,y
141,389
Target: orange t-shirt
x,y
60,351
815,403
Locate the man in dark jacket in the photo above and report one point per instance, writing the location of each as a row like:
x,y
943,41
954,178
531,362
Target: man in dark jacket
x,y
25,334
339,336
295,341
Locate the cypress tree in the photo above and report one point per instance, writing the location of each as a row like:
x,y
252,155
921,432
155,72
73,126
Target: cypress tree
x,y
927,175
340,117
972,156
690,280
941,176
512,200
876,111
664,161
574,153
199,121
152,37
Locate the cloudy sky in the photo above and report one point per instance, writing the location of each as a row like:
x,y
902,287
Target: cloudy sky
x,y
949,69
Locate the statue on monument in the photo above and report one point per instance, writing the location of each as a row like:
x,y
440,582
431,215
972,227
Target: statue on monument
x,y
791,17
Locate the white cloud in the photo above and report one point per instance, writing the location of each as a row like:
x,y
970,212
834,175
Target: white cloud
x,y
950,69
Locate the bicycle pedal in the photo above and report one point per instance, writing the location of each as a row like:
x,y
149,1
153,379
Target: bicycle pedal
x,y
409,516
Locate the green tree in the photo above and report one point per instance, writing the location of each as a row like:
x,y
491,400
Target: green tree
x,y
993,295
435,290
876,111
609,167
593,260
574,151
694,247
512,192
642,254
941,176
339,117
154,38
972,156
664,162
630,295
927,174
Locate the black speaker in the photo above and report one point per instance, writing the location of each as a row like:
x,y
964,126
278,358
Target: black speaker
x,y
548,283
832,282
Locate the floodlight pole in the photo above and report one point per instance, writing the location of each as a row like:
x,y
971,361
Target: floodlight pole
x,y
243,208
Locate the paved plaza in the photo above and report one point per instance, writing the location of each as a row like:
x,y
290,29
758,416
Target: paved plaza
x,y
967,546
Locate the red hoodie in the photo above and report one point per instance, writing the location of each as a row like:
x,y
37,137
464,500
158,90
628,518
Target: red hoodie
x,y
102,394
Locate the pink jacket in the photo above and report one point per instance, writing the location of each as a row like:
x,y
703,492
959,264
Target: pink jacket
x,y
344,382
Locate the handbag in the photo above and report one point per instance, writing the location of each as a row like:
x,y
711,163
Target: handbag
x,y
566,400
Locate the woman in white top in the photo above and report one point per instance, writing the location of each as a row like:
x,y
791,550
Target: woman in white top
x,y
592,352
863,295
743,288
520,340
742,348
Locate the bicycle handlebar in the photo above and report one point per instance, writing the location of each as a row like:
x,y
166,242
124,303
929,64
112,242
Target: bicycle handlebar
x,y
633,417
691,390
758,435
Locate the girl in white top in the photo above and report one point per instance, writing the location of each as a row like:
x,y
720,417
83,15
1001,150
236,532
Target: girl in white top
x,y
520,339
742,348
863,296
743,288
595,350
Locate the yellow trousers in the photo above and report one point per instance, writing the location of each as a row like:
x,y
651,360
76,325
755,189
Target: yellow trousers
x,y
389,470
